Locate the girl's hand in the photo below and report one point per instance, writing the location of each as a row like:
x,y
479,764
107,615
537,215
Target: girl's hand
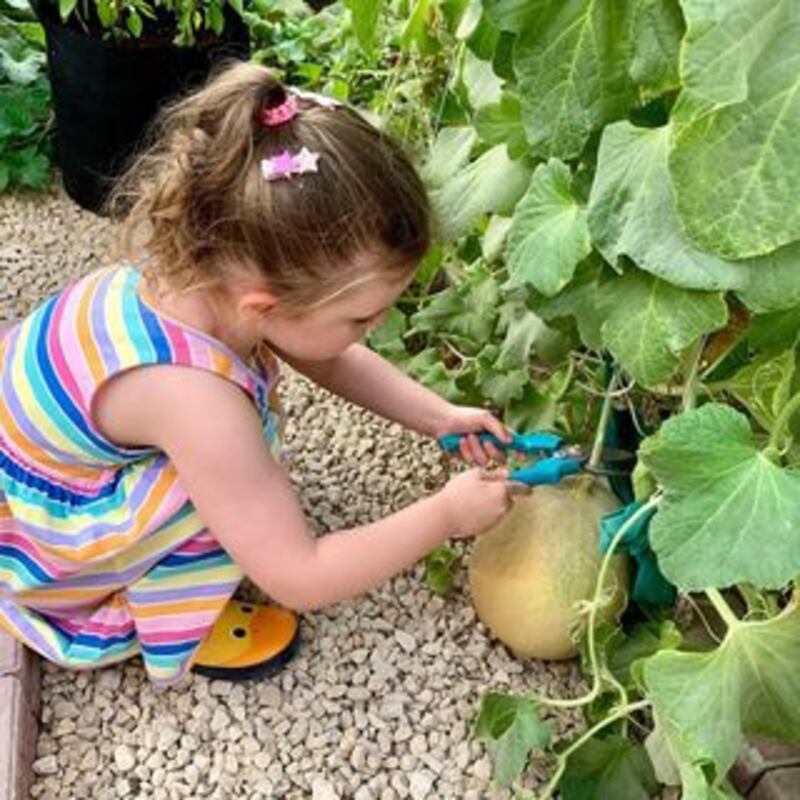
x,y
467,420
477,499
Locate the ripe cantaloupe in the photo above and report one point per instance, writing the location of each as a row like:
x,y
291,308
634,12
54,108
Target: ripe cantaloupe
x,y
527,574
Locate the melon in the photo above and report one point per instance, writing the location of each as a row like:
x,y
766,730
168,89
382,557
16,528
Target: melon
x,y
528,573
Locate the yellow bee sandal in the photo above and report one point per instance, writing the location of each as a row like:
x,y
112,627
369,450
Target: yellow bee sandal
x,y
248,641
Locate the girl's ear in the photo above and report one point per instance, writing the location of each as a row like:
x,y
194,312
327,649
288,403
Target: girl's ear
x,y
257,302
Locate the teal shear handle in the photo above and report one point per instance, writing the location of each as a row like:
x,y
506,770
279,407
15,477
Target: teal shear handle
x,y
547,470
529,443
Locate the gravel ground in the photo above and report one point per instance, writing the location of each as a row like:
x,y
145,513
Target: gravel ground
x,y
379,702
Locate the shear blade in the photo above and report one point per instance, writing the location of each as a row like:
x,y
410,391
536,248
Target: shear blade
x,y
612,460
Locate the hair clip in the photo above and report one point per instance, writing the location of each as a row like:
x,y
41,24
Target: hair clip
x,y
278,115
286,164
319,99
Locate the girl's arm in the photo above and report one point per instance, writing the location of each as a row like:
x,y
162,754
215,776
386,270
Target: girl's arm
x,y
215,442
370,381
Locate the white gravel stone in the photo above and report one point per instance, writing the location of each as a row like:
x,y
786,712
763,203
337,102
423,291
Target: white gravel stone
x,y
420,784
124,758
406,641
380,699
46,766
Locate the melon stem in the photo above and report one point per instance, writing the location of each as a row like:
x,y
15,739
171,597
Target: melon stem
x,y
602,425
619,713
783,420
594,692
722,608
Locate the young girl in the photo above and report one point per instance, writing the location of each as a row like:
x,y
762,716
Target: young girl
x,y
140,477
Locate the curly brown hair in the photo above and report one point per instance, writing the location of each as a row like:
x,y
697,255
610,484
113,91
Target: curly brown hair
x,y
195,203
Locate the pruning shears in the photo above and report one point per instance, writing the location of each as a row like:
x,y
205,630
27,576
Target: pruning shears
x,y
552,459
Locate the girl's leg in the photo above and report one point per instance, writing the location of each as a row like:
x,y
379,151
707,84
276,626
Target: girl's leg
x,y
185,618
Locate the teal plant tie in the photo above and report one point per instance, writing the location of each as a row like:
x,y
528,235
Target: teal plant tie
x,y
649,585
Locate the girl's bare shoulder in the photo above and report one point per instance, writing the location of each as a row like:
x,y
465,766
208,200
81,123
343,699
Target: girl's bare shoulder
x,y
138,407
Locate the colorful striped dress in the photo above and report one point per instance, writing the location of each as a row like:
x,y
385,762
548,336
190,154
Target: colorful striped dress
x,y
102,554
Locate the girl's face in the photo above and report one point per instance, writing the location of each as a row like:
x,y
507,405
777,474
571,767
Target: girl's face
x,y
328,330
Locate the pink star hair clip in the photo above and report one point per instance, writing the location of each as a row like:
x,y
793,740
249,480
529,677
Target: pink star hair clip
x,y
285,165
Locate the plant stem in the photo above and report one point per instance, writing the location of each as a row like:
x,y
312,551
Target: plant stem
x,y
783,420
722,608
690,387
622,711
576,702
602,425
567,380
758,604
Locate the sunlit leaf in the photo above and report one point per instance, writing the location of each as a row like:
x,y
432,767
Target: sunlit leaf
x,y
730,515
512,729
549,235
748,685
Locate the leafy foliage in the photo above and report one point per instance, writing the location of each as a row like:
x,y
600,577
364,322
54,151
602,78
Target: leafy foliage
x,y
25,114
615,185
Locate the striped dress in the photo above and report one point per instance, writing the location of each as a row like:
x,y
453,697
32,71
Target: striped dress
x,y
102,555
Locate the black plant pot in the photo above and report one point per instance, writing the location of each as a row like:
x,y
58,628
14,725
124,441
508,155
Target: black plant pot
x,y
105,93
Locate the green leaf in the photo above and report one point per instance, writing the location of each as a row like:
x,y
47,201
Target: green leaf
x,y
773,333
650,322
729,514
773,281
417,29
449,153
494,237
504,387
549,235
34,171
134,22
523,329
483,86
764,386
388,338
732,160
723,44
535,410
365,15
428,369
584,298
5,176
658,28
748,685
571,61
467,311
24,69
439,566
674,767
484,39
624,649
466,18
632,213
605,768
512,729
492,183
510,15
66,7
501,123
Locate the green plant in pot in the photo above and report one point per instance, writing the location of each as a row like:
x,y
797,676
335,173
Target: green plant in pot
x,y
25,113
113,63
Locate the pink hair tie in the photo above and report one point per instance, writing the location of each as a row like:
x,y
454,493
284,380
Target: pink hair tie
x,y
278,115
